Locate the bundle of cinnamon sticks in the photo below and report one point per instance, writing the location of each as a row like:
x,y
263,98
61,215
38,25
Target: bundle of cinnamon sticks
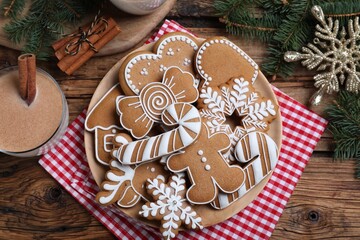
x,y
91,38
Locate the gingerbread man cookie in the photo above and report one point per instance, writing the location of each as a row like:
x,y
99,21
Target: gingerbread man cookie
x,y
139,113
207,168
170,206
144,67
218,59
126,185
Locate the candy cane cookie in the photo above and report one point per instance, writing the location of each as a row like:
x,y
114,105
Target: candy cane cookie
x,y
261,153
184,115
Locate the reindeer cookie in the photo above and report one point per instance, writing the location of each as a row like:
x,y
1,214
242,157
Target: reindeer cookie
x,y
206,167
144,67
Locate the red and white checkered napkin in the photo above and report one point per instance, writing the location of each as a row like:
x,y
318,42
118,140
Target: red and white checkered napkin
x,y
302,130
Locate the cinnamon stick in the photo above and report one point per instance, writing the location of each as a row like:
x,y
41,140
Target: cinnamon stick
x,y
69,63
27,77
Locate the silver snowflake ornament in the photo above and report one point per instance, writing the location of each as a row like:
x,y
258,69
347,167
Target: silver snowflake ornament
x,y
170,206
335,53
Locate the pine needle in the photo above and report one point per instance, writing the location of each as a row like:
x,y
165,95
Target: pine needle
x,y
44,22
344,118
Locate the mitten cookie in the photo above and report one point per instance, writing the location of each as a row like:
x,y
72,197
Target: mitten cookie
x,y
207,168
144,67
218,60
170,206
139,113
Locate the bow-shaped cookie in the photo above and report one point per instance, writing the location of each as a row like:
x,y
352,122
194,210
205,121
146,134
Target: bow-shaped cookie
x,y
139,113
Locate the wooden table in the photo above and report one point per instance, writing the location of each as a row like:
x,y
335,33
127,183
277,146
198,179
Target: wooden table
x,y
324,205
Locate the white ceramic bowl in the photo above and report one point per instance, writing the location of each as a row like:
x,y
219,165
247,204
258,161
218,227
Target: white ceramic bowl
x,y
138,7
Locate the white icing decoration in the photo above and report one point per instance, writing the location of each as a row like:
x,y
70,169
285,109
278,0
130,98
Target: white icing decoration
x,y
207,167
157,55
162,68
121,139
203,159
200,152
163,144
152,169
117,179
170,52
233,46
144,72
186,62
167,197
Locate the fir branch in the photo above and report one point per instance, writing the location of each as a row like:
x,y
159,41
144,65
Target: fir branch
x,y
44,22
292,34
341,10
344,118
12,8
240,19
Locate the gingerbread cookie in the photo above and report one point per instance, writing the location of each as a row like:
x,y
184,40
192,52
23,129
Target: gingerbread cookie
x,y
126,185
170,206
103,120
183,115
144,67
236,99
218,60
139,113
207,168
260,154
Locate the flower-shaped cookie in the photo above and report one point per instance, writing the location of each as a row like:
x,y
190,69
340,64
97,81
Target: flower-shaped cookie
x,y
170,206
143,67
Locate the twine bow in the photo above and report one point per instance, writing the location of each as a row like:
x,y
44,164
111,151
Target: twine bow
x,y
83,36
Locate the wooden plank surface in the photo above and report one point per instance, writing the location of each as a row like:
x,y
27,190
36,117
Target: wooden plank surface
x,y
325,203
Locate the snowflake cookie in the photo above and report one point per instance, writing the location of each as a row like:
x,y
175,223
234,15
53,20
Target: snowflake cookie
x,y
170,206
236,99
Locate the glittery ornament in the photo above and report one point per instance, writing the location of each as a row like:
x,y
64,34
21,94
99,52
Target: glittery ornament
x,y
335,54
